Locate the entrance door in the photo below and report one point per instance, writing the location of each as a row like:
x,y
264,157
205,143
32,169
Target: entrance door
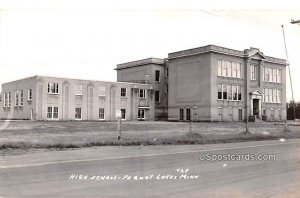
x,y
256,107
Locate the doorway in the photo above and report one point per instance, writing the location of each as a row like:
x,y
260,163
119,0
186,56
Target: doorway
x,y
256,107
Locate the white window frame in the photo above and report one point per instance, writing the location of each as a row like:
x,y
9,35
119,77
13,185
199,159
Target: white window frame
x,y
143,93
219,67
141,116
9,99
53,88
253,72
102,113
21,102
16,98
52,113
181,114
78,113
5,99
29,94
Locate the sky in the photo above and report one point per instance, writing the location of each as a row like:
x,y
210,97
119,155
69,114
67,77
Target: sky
x,y
87,39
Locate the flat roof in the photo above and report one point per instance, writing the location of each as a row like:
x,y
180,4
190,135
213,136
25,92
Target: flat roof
x,y
223,50
156,61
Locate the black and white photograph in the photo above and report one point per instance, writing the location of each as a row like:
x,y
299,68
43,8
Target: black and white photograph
x,y
149,99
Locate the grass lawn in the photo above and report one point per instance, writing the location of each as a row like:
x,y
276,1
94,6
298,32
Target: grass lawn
x,y
71,134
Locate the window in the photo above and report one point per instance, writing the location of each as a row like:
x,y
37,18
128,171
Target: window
x,y
52,112
123,114
16,98
219,68
279,75
77,113
123,92
157,97
253,72
0,98
220,91
238,70
239,92
142,93
234,92
234,70
21,98
157,75
275,75
229,68
101,114
240,114
29,91
49,113
224,88
181,114
9,99
141,114
5,100
53,88
78,90
278,96
224,68
188,114
270,75
102,91
167,72
267,76
229,92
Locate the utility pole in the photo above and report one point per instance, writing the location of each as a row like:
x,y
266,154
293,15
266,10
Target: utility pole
x,y
288,64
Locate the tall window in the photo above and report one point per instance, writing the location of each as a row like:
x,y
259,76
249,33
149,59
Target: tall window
x,y
181,114
101,114
229,68
29,93
141,114
239,91
21,98
238,69
123,92
229,92
224,87
142,93
17,98
157,97
77,113
253,71
219,68
234,92
157,75
188,114
123,114
102,91
9,99
234,70
224,68
5,100
0,98
52,112
272,75
220,91
53,88
78,90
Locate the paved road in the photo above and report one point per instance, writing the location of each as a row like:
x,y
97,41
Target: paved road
x,y
178,173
